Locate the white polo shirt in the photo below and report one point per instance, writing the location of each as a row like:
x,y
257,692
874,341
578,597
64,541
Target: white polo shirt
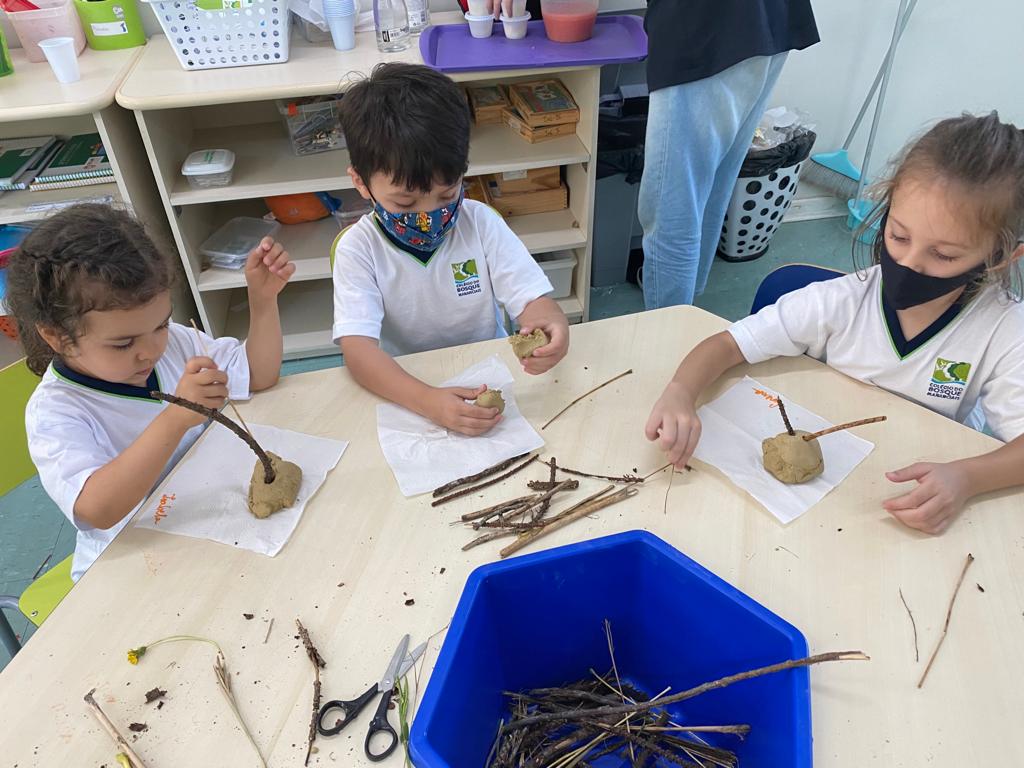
x,y
385,293
969,365
77,424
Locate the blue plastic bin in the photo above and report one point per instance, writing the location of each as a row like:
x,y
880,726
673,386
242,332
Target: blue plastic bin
x,y
538,620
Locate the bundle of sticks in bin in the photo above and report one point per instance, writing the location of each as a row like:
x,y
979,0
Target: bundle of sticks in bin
x,y
528,517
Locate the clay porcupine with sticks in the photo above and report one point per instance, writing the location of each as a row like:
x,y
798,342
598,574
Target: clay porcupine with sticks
x,y
275,482
794,456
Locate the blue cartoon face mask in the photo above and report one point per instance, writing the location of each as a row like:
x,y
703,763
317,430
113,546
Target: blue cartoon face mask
x,y
424,230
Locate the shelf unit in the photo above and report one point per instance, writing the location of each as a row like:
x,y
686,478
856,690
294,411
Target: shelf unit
x,y
33,103
235,109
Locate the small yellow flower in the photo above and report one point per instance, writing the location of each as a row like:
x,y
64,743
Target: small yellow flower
x,y
135,654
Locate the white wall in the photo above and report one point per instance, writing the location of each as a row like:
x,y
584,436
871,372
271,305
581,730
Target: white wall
x,y
954,56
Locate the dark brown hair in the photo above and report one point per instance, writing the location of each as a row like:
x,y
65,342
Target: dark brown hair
x,y
409,122
983,159
87,257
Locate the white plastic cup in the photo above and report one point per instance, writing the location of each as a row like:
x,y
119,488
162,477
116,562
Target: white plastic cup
x,y
343,31
513,9
480,7
480,26
515,27
63,58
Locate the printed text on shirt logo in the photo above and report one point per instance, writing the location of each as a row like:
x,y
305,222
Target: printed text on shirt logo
x,y
467,279
949,380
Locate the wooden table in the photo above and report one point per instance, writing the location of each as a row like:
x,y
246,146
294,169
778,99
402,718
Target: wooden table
x,y
362,550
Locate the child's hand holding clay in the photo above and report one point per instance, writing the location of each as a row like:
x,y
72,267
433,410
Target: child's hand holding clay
x,y
447,407
545,358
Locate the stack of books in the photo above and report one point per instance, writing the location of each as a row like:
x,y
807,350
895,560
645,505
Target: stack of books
x,y
541,110
47,162
80,162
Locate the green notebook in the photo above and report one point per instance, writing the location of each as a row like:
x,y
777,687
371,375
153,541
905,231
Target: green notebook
x,y
17,154
81,157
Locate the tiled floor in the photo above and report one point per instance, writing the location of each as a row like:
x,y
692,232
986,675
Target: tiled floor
x,y
33,531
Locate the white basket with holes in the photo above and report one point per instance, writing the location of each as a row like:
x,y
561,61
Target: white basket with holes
x,y
755,211
210,34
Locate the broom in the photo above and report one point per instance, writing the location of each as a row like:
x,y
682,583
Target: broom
x,y
833,170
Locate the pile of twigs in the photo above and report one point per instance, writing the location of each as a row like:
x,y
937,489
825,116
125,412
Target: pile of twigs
x,y
573,725
641,739
527,517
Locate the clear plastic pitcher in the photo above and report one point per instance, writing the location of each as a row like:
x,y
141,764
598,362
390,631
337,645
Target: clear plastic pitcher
x,y
569,21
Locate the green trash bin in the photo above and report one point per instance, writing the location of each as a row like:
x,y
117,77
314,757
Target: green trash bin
x,y
111,24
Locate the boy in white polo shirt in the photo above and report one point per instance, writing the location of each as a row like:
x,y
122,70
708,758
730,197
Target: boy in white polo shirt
x,y
938,319
427,268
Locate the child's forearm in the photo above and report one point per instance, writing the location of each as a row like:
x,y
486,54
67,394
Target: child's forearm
x,y
375,370
264,345
1001,468
115,489
706,363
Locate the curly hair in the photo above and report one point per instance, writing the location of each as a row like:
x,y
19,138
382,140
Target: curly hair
x,y
85,258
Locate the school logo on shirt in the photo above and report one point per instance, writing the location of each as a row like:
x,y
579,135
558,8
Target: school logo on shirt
x,y
467,279
949,380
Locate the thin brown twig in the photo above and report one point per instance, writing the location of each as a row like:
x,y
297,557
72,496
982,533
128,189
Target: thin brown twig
x,y
841,427
206,352
268,469
531,506
501,533
501,506
668,489
630,479
643,706
785,416
949,615
268,630
581,510
318,663
108,726
585,394
545,485
913,624
481,486
441,491
618,680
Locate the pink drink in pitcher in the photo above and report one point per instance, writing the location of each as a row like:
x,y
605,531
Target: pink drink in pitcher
x,y
569,21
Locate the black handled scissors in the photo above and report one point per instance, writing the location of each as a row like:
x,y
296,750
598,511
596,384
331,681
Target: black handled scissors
x,y
347,711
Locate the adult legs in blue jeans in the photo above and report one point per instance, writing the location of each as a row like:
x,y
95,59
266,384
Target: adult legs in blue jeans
x,y
697,136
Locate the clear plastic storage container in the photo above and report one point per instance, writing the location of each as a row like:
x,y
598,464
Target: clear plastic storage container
x,y
229,246
558,266
313,123
209,168
55,18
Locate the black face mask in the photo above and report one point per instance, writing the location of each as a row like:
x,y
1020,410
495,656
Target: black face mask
x,y
904,288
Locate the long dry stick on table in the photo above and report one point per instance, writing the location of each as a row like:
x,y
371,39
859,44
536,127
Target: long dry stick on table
x,y
949,615
585,394
503,506
268,470
847,425
108,726
481,486
785,416
913,624
570,515
643,706
609,478
468,479
533,506
318,663
206,352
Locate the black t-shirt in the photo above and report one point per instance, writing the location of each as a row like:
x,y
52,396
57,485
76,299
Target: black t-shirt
x,y
692,39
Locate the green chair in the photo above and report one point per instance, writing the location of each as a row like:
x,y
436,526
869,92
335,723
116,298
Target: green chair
x,y
39,599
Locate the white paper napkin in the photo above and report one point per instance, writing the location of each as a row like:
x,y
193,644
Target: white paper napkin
x,y
206,495
734,426
424,456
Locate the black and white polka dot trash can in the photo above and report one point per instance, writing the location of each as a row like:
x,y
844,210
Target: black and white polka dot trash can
x,y
759,202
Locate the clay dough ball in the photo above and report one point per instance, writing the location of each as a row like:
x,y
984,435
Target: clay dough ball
x,y
792,459
267,498
524,344
491,399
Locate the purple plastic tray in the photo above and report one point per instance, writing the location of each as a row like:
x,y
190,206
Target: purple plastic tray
x,y
450,47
